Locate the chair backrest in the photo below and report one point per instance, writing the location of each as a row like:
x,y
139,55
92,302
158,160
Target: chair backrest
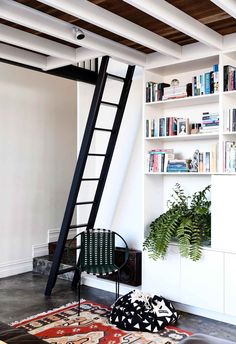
x,y
97,248
97,251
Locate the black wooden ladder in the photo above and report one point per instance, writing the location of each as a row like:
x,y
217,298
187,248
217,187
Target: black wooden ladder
x,y
81,163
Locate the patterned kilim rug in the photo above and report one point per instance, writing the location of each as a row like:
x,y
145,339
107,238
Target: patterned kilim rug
x,y
64,326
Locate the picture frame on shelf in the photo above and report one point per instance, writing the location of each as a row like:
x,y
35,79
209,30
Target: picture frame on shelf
x,y
182,126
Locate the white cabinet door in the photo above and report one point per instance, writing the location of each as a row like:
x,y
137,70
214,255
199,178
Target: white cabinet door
x,y
230,284
162,276
223,192
202,281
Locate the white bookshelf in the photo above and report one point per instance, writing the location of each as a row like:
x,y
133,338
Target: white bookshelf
x,y
158,187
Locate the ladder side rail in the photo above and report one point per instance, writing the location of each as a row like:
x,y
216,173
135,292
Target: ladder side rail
x,y
79,170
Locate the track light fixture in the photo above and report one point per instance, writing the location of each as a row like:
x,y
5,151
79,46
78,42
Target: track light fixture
x,y
78,33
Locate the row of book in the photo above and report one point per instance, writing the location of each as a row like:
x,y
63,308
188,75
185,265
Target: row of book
x,y
155,91
229,157
172,126
164,126
229,78
229,124
206,83
163,160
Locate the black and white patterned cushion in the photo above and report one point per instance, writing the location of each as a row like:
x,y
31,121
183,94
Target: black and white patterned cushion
x,y
142,312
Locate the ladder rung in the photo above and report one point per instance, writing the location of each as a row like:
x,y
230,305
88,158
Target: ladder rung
x,y
81,203
115,77
103,129
109,104
63,271
96,154
90,179
78,226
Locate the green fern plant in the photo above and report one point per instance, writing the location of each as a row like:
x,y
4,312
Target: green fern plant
x,y
187,220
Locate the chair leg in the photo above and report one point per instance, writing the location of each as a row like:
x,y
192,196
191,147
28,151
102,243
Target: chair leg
x,y
79,285
118,286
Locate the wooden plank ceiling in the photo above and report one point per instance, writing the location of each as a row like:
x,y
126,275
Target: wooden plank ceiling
x,y
204,11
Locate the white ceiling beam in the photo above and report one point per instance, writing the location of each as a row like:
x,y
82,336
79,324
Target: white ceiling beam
x,y
32,42
98,16
36,20
229,6
22,56
83,54
54,62
179,20
64,55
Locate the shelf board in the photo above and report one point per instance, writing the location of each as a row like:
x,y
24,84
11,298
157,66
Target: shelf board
x,y
196,100
229,133
230,93
180,173
208,136
191,173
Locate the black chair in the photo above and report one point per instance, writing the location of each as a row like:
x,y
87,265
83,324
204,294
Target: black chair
x,y
97,255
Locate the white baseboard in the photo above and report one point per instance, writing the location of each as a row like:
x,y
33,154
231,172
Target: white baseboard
x,y
206,313
16,267
93,281
39,250
53,234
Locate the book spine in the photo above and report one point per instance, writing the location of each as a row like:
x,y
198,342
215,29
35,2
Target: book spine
x,y
225,78
147,127
207,162
200,163
212,82
207,83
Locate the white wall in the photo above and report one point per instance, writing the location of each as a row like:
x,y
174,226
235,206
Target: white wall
x,y
37,156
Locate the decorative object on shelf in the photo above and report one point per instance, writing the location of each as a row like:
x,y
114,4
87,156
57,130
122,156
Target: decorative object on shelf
x,y
174,82
187,220
182,126
195,128
194,162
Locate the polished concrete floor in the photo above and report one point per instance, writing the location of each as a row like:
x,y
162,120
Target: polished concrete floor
x,y
23,295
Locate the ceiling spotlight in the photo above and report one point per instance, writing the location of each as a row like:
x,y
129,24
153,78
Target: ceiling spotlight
x,y
78,33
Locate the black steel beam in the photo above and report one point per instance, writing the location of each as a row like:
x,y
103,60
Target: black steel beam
x,y
68,72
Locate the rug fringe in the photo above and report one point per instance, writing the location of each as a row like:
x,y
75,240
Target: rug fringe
x,y
45,313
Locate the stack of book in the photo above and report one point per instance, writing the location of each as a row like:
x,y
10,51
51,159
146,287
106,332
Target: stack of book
x,y
176,165
210,123
155,91
229,78
229,162
206,83
174,92
157,159
229,120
